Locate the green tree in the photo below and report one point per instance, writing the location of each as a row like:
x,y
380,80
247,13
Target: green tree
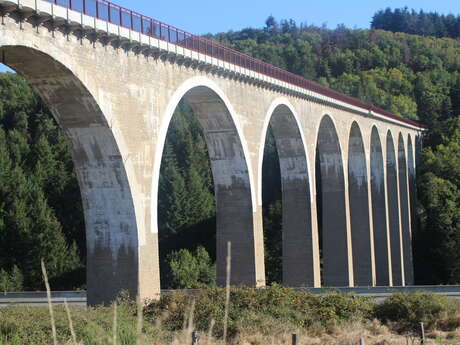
x,y
191,270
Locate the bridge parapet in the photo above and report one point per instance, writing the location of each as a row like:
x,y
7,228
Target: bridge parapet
x,y
109,22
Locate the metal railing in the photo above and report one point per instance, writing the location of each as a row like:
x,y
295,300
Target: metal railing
x,y
132,20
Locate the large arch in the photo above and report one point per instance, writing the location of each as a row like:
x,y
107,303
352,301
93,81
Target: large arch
x,y
405,213
393,212
359,209
235,204
332,221
297,239
111,229
379,212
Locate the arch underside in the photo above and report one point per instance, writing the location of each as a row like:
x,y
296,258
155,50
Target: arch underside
x,y
333,223
111,231
379,212
393,212
359,209
297,242
234,211
405,213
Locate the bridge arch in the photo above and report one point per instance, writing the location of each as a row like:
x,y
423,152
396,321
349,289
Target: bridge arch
x,y
331,207
298,253
111,229
405,212
230,166
379,211
412,184
359,208
393,211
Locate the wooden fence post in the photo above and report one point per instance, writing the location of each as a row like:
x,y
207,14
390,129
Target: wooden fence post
x,y
422,329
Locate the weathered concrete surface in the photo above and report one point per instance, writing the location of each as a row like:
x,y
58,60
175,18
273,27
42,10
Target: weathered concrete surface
x,y
115,102
359,209
379,212
298,264
405,213
334,234
393,213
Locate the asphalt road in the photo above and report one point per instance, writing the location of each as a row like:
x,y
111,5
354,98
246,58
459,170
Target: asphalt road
x,y
78,298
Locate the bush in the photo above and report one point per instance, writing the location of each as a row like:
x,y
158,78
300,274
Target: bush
x,y
191,271
271,310
13,281
404,311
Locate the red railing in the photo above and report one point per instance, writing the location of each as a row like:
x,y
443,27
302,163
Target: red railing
x,y
123,17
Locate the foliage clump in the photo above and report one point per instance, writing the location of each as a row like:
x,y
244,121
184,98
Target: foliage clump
x,y
268,309
405,311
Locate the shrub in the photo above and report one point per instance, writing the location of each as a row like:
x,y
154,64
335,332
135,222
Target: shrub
x,y
191,270
13,281
270,310
404,311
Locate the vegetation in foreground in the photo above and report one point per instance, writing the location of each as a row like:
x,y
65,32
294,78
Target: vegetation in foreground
x,y
265,316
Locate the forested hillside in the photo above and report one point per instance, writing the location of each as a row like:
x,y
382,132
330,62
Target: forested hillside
x,y
414,76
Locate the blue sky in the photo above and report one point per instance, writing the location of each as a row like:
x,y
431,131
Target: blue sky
x,y
211,16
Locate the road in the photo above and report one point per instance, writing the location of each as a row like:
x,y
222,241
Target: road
x,y
78,298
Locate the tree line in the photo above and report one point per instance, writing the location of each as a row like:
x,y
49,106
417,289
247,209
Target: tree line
x,y
414,76
417,23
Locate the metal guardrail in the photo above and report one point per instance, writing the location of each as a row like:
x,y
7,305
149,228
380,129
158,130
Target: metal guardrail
x,y
78,298
123,17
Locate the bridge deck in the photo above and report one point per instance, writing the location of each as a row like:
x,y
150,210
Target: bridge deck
x,y
112,20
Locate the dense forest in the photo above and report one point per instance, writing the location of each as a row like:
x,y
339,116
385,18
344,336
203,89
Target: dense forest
x,y
417,23
412,75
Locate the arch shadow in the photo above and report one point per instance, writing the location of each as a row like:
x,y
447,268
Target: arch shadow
x,y
232,184
393,212
111,230
379,218
359,208
405,213
330,191
297,240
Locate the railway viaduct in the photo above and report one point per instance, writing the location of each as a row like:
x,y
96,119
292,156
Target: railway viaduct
x,y
112,78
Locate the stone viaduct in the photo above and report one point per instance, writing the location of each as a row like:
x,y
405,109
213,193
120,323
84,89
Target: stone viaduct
x,y
113,78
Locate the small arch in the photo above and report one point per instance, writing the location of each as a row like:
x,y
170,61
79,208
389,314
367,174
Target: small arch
x,y
232,182
359,208
405,213
379,219
412,185
330,191
297,242
393,212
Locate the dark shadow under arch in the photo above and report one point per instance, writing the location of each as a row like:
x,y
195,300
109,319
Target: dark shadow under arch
x,y
405,213
379,218
332,223
297,246
111,230
234,208
393,212
359,209
412,185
